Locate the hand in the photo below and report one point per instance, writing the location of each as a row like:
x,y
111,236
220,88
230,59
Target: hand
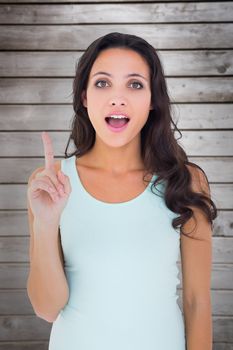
x,y
46,199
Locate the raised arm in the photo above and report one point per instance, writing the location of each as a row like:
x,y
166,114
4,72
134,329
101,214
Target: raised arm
x,y
46,285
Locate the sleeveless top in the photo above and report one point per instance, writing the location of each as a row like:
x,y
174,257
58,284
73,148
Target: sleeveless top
x,y
120,265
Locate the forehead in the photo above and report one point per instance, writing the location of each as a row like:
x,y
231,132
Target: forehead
x,y
120,60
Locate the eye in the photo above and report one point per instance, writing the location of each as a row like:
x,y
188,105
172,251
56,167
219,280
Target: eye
x,y
136,82
99,81
104,81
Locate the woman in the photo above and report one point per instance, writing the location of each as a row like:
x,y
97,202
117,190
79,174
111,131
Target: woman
x,y
131,200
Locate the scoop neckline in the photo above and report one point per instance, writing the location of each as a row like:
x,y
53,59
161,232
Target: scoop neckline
x,y
90,196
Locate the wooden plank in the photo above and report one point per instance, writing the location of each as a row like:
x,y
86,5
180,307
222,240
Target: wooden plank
x,y
223,225
222,346
202,116
74,37
14,196
187,116
84,1
15,223
15,275
217,194
23,328
16,249
211,167
17,302
222,329
34,117
200,89
207,143
116,13
18,170
44,346
59,90
22,345
175,63
195,143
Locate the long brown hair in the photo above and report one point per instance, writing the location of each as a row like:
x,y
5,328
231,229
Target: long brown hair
x,y
160,151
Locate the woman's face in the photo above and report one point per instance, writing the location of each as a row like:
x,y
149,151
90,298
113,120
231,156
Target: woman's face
x,y
118,92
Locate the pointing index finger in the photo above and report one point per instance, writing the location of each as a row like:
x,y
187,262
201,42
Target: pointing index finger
x,y
48,151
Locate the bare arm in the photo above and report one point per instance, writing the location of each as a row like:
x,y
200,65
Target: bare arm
x,y
47,286
196,257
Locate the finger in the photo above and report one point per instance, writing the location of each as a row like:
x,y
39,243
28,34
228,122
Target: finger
x,y
55,180
65,180
43,185
48,151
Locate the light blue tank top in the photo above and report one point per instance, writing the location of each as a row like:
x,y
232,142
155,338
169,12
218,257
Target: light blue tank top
x,y
120,264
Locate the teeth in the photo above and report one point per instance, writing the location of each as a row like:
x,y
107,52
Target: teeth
x,y
115,116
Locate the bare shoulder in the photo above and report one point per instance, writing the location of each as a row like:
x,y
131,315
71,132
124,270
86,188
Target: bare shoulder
x,y
199,184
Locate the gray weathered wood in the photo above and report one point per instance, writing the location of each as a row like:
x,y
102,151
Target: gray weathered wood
x,y
26,345
16,249
34,328
62,64
199,89
17,302
195,143
18,170
15,196
24,327
49,117
222,329
84,1
77,37
15,223
222,346
117,13
15,275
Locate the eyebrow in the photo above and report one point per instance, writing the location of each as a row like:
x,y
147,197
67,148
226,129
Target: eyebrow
x,y
128,75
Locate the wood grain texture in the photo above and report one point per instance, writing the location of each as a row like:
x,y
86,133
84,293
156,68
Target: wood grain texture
x,y
14,276
15,223
17,170
73,37
195,143
62,64
15,249
33,117
116,13
59,90
15,327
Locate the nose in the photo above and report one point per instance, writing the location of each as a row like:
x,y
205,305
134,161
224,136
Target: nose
x,y
117,101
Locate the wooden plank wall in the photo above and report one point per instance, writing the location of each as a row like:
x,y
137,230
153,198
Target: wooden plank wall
x,y
40,44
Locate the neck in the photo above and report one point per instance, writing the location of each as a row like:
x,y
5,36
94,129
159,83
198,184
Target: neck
x,y
116,160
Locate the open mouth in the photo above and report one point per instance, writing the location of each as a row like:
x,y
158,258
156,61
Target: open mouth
x,y
117,122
